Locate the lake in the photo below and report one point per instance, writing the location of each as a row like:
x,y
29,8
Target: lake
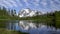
x,y
31,27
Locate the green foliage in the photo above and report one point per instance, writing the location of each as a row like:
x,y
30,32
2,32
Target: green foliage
x,y
5,15
57,13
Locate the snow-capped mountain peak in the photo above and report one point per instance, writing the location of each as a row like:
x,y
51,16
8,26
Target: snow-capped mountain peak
x,y
28,13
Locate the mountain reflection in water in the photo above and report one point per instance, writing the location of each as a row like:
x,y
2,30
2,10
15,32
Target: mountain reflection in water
x,y
32,28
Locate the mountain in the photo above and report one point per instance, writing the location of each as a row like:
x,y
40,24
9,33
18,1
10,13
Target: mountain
x,y
29,13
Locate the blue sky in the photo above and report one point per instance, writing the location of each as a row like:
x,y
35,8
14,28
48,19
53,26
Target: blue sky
x,y
42,5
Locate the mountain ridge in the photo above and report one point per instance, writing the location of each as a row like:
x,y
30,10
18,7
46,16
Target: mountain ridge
x,y
28,13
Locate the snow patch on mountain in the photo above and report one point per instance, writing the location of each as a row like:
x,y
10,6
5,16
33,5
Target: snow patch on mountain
x,y
28,13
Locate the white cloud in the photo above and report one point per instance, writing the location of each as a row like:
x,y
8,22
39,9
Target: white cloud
x,y
26,2
3,5
1,1
19,3
11,3
53,5
57,1
36,2
7,3
43,3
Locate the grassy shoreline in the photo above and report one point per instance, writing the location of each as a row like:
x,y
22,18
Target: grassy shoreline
x,y
5,31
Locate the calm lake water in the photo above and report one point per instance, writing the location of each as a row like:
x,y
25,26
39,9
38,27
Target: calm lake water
x,y
31,27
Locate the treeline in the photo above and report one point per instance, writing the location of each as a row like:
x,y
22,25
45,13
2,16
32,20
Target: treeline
x,y
52,18
7,14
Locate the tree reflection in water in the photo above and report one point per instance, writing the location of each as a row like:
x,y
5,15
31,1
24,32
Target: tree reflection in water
x,y
32,28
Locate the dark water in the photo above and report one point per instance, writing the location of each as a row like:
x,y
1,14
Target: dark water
x,y
31,27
